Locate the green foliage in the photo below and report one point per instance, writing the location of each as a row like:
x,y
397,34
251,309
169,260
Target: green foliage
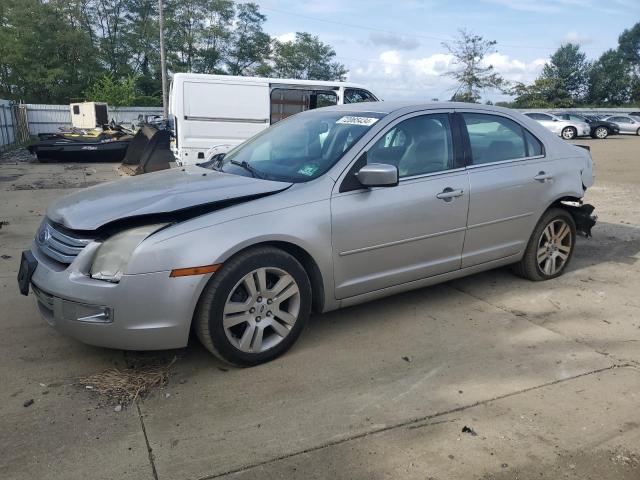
x,y
43,58
250,45
57,51
609,82
566,75
473,78
115,92
306,57
570,80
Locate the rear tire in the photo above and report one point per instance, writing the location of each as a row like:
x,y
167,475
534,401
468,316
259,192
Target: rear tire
x,y
254,308
638,132
550,247
569,133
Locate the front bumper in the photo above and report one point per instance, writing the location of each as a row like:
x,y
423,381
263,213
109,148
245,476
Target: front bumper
x,y
142,312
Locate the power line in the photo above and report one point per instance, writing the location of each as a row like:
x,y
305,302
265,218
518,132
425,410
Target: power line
x,y
393,32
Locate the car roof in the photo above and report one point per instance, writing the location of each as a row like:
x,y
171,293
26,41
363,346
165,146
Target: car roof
x,y
388,107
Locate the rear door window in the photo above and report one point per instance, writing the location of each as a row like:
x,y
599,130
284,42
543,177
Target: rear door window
x,y
494,138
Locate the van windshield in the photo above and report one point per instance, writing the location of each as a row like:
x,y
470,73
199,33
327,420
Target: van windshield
x,y
300,148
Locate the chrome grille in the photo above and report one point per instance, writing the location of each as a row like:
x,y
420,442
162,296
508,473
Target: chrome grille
x,y
58,245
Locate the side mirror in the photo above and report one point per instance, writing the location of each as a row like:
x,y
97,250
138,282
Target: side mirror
x,y
555,119
378,175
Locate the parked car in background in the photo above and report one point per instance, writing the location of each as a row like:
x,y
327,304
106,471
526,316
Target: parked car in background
x,y
329,208
210,114
635,114
627,124
566,129
599,128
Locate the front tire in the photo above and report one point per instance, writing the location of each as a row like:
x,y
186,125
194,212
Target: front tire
x,y
255,307
601,133
550,247
569,133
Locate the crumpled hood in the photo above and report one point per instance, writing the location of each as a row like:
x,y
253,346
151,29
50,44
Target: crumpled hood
x,y
166,191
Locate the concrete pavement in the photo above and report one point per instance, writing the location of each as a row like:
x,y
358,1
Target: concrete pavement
x,y
546,374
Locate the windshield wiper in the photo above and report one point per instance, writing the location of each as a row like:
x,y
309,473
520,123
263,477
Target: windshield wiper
x,y
254,173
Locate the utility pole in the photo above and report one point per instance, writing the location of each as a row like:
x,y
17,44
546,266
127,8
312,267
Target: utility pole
x,y
163,65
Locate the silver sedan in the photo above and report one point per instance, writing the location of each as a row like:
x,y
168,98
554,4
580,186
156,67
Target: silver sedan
x,y
627,123
327,209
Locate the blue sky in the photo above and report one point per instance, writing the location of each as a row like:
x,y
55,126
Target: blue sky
x,y
395,47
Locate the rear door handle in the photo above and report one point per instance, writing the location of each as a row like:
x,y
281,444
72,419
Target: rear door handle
x,y
449,193
543,177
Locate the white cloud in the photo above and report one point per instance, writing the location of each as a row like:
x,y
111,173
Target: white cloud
x,y
286,37
513,69
436,64
575,37
392,75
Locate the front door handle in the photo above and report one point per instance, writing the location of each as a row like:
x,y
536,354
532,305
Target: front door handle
x,y
449,193
543,177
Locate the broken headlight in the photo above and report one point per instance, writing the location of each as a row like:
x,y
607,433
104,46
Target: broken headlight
x,y
114,254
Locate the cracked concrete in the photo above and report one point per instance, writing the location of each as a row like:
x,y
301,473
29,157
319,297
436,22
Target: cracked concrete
x,y
547,374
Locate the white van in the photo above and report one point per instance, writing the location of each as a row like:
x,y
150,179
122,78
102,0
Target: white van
x,y
210,114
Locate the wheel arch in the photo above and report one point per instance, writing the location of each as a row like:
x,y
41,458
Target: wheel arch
x,y
307,261
582,213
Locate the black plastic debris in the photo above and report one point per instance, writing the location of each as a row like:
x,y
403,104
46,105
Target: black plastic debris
x,y
28,403
469,430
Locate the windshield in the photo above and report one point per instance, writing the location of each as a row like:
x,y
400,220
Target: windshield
x,y
300,148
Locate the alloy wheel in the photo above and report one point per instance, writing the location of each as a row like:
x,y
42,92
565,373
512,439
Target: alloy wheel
x,y
568,133
601,132
554,247
261,309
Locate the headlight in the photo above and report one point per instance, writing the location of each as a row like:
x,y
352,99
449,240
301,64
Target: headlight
x,y
114,254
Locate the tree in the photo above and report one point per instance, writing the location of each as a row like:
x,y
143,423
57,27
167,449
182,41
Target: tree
x,y
184,25
216,35
250,46
112,25
566,74
469,51
608,80
306,57
629,48
116,92
540,94
43,58
629,45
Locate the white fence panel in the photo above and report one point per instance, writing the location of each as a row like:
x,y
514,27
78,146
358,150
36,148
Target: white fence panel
x,y
7,135
50,118
47,118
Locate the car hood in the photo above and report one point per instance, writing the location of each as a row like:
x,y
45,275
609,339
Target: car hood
x,y
177,190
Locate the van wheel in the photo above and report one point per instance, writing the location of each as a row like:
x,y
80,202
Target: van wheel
x,y
569,133
550,247
254,307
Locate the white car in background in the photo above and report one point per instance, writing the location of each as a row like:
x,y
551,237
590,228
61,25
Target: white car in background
x,y
566,129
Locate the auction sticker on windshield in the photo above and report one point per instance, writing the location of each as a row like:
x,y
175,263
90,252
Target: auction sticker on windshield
x,y
364,121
